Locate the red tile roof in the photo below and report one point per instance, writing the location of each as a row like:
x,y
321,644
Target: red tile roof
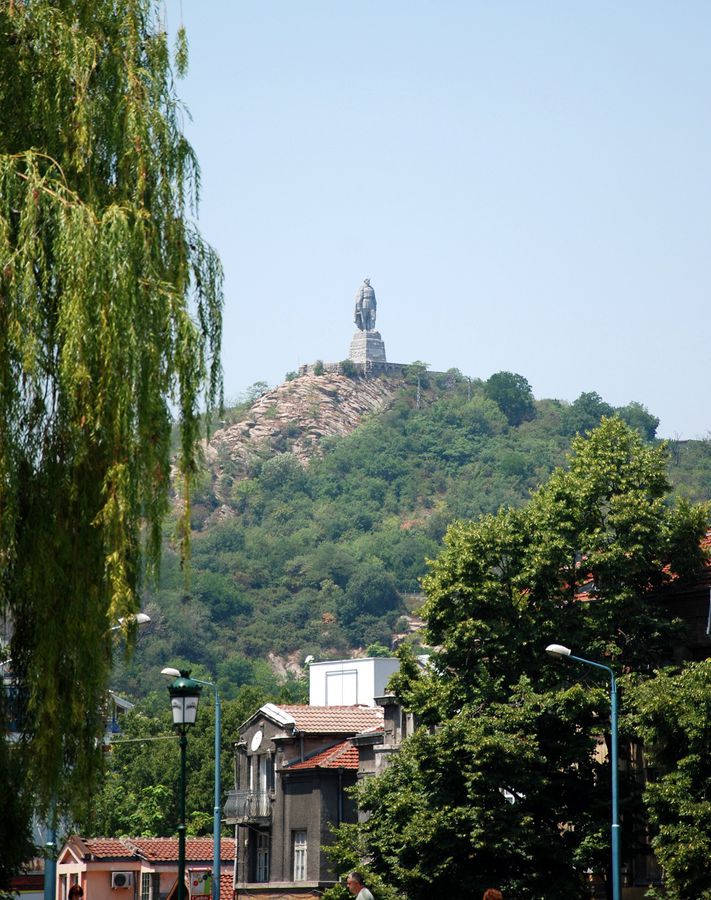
x,y
342,756
336,719
166,849
107,848
155,849
227,890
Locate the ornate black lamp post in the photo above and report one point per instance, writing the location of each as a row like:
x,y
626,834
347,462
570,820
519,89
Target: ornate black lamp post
x,y
184,699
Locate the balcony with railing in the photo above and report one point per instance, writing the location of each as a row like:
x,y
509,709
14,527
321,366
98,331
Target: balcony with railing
x,y
244,807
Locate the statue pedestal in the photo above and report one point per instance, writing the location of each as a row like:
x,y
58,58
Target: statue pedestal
x,y
367,347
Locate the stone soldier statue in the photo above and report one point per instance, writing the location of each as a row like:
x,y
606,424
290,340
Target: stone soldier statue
x,y
365,307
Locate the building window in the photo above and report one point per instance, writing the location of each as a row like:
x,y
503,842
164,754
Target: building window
x,y
265,764
262,873
299,844
145,886
62,887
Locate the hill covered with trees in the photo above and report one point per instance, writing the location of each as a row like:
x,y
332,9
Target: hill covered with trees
x,y
319,503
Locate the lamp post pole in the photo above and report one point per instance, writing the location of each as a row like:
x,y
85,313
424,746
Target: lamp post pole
x,y
184,698
217,810
558,650
50,855
181,823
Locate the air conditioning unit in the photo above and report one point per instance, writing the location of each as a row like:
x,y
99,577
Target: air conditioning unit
x,y
120,880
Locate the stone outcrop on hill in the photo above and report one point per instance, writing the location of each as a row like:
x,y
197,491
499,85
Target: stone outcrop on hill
x,y
295,416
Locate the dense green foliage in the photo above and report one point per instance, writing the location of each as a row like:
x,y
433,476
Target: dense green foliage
x,y
308,556
139,796
672,713
110,312
322,559
15,831
479,797
513,395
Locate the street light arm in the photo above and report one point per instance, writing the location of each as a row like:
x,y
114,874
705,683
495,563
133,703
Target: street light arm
x,y
597,665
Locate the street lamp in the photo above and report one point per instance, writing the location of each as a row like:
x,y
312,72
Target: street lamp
x,y
127,621
184,698
217,811
561,652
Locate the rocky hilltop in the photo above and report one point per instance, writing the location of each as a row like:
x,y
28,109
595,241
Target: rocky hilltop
x,y
295,417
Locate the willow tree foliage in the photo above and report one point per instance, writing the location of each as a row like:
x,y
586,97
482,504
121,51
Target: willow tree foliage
x,y
110,318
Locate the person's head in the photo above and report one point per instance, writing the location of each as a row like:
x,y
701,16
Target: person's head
x,y
76,892
492,894
354,882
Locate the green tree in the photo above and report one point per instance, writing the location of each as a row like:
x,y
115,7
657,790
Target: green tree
x,y
513,395
255,391
110,315
477,801
672,712
416,373
371,590
638,416
507,763
585,413
348,368
138,794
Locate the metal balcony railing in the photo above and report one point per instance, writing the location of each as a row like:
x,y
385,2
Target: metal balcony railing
x,y
247,806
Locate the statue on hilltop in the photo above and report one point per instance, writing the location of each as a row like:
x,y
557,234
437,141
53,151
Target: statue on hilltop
x,y
365,307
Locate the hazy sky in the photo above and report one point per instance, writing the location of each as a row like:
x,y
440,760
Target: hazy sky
x,y
527,183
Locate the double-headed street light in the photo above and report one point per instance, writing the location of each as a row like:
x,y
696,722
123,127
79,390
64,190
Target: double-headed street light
x,y
217,811
561,652
184,698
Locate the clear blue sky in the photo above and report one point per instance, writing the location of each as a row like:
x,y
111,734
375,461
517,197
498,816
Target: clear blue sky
x,y
527,183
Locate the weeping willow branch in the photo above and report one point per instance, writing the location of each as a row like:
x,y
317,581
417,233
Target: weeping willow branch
x,y
110,316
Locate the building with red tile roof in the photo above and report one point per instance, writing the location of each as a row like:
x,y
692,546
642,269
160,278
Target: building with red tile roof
x,y
137,868
294,767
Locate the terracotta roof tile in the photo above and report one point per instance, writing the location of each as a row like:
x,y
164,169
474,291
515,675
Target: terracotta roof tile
x,y
227,890
342,756
107,848
166,849
336,719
